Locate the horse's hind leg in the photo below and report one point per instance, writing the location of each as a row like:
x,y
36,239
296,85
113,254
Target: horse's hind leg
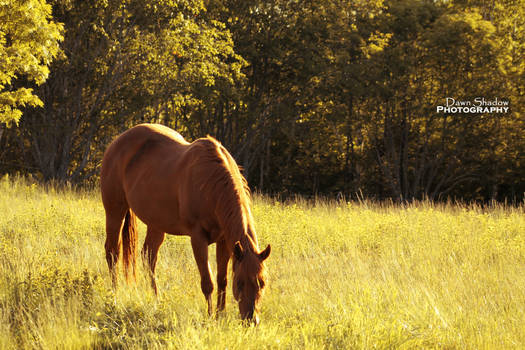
x,y
154,239
113,225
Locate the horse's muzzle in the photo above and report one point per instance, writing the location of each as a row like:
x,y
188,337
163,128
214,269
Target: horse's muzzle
x,y
256,320
252,319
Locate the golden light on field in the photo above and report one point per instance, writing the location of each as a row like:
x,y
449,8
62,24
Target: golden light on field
x,y
341,275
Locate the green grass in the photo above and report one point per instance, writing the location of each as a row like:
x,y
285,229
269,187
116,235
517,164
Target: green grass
x,y
352,275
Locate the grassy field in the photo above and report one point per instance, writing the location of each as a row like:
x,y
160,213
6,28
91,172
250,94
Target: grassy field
x,y
350,275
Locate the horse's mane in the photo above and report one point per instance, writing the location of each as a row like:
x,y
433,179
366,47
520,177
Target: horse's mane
x,y
221,178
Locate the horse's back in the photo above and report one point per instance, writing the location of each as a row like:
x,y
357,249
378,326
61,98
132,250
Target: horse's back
x,y
131,140
136,140
135,153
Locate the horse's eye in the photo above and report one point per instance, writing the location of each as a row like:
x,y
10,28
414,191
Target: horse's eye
x,y
261,284
240,285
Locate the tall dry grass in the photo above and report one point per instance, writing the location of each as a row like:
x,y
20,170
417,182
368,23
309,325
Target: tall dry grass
x,y
342,275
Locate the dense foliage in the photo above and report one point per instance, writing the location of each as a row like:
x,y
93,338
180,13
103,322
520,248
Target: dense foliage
x,y
319,96
28,43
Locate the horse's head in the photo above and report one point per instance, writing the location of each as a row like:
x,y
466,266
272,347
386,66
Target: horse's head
x,y
249,280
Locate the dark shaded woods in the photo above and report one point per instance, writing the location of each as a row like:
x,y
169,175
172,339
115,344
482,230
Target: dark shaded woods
x,y
320,97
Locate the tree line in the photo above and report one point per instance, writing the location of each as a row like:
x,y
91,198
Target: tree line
x,y
312,97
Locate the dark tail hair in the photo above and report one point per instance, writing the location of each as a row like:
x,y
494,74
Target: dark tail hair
x,y
129,244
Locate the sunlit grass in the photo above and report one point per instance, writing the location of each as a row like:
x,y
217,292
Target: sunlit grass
x,y
342,275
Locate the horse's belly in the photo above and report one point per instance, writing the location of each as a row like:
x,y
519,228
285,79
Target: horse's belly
x,y
156,207
162,221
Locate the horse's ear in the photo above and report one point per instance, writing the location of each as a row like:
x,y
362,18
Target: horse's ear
x,y
265,253
238,251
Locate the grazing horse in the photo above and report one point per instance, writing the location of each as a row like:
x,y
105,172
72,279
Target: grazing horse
x,y
181,188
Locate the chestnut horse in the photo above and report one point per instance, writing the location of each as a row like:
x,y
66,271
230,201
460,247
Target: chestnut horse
x,y
182,188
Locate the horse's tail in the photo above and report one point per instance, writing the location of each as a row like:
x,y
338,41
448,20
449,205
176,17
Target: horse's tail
x,y
129,244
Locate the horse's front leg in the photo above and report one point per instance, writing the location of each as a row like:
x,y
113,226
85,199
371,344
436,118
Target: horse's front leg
x,y
200,251
223,257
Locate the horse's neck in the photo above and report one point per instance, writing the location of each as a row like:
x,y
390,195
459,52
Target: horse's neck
x,y
237,225
250,235
239,234
243,234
